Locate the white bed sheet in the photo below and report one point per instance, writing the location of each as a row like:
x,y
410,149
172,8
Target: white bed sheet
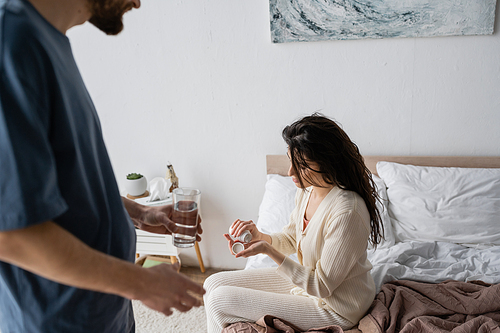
x,y
422,261
434,262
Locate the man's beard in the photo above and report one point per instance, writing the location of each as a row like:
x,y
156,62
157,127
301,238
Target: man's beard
x,y
107,14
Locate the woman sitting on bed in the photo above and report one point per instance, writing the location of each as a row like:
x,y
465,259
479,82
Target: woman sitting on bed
x,y
334,218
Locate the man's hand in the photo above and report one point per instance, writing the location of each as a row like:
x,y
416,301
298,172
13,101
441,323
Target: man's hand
x,y
156,219
162,289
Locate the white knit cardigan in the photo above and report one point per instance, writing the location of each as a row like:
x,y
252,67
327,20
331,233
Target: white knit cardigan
x,y
334,268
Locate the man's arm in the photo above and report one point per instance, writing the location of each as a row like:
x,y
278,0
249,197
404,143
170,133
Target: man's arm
x,y
156,219
50,251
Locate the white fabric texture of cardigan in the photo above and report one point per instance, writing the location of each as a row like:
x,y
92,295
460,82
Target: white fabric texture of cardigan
x,y
334,269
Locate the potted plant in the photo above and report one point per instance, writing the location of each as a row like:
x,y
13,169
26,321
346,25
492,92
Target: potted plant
x,y
136,184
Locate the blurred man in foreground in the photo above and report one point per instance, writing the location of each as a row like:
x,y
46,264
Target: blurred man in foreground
x,y
67,241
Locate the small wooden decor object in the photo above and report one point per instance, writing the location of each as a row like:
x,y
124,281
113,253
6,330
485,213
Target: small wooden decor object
x,y
172,177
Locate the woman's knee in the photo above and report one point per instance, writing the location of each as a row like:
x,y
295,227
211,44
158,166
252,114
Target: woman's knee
x,y
219,279
212,282
221,300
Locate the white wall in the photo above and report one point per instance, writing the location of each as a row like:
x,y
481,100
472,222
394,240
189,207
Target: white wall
x,y
200,84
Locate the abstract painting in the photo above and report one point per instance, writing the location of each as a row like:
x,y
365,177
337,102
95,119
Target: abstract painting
x,y
317,20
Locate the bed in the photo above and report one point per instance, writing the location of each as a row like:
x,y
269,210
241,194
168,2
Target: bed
x,y
441,217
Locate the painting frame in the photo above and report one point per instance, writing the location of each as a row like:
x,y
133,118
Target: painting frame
x,y
320,20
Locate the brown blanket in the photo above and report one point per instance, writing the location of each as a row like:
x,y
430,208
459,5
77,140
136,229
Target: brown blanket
x,y
412,307
271,324
450,306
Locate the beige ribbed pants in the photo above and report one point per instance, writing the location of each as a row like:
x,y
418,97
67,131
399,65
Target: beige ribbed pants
x,y
247,295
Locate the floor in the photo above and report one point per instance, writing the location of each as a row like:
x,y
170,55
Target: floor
x,y
196,275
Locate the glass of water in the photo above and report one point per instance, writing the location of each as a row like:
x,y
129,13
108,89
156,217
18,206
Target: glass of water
x,y
186,203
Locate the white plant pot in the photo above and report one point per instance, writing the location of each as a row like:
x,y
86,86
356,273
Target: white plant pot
x,y
136,187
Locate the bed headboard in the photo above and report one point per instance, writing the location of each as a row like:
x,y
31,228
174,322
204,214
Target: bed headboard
x,y
279,164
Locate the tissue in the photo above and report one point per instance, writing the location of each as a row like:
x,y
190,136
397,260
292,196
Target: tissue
x,y
159,189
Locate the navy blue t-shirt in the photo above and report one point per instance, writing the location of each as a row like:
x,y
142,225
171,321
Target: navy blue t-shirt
x,y
54,166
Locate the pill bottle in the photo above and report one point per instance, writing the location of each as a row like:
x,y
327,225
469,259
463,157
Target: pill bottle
x,y
245,236
237,247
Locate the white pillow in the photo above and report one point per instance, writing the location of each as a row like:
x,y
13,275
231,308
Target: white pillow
x,y
457,205
277,203
389,239
274,213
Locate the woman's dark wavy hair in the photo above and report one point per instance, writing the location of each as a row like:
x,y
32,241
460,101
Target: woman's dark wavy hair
x,y
319,139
